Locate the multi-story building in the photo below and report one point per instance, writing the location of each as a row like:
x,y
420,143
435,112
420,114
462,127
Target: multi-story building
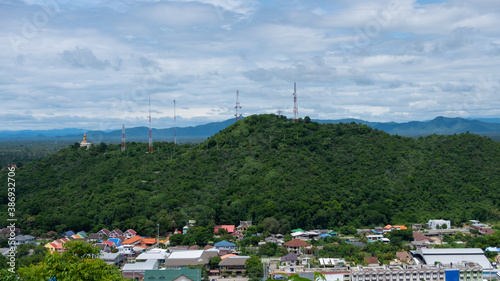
x,y
464,272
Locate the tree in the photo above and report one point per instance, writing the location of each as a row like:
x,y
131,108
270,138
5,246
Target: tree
x,y
79,262
271,224
214,262
254,268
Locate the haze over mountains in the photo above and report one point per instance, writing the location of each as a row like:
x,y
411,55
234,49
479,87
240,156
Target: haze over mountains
x,y
440,125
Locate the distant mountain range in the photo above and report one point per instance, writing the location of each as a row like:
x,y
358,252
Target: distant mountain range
x,y
440,125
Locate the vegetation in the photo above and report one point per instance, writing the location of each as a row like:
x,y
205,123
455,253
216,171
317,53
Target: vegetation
x,y
279,174
79,262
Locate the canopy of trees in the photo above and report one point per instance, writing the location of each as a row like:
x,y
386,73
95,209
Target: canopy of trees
x,y
265,169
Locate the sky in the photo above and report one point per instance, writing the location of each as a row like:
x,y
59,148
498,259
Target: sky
x,y
94,64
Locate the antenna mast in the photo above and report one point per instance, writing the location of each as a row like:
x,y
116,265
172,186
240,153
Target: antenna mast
x,y
150,135
295,106
279,112
237,116
123,137
175,127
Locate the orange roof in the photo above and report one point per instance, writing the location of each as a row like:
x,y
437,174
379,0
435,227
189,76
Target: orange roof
x,y
148,241
133,240
400,227
388,226
228,255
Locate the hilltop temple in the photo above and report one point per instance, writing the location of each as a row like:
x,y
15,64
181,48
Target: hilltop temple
x,y
84,142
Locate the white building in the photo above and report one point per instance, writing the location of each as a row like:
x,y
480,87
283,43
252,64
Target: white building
x,y
439,224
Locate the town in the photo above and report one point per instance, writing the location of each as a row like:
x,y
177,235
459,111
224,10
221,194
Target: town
x,y
435,251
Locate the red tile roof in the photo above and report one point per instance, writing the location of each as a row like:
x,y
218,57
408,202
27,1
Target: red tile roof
x,y
372,260
295,243
230,228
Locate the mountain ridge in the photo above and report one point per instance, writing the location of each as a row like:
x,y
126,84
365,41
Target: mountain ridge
x,y
438,125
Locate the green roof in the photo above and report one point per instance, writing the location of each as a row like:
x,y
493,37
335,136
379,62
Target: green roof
x,y
172,274
298,230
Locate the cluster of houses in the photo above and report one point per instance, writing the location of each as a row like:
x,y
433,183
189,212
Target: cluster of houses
x,y
140,258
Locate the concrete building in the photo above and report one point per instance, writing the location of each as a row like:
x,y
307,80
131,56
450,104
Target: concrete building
x,y
462,272
439,224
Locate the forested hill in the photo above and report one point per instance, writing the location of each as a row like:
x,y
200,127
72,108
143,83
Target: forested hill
x,y
303,174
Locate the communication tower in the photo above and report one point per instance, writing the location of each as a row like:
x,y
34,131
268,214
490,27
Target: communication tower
x,y
295,106
123,137
150,134
238,106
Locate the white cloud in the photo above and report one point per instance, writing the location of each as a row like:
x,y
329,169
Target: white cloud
x,y
96,62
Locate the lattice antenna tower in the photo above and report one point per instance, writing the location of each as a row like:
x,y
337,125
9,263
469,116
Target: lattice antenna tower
x,y
279,112
175,127
238,106
150,130
123,138
295,106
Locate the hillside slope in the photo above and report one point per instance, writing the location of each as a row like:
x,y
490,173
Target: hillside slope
x,y
304,174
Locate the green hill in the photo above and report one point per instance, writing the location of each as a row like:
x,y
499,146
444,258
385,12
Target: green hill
x,y
303,174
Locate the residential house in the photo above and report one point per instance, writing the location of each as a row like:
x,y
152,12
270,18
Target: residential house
x,y
376,238
93,237
194,247
183,274
103,247
68,234
148,242
225,245
243,226
154,254
112,258
103,233
233,264
129,233
132,270
110,243
372,261
115,233
191,223
238,236
5,232
416,226
127,250
403,257
229,228
421,241
51,233
136,240
24,239
486,230
296,245
57,245
272,239
290,259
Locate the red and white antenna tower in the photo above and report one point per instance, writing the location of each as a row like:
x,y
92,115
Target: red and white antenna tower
x,y
150,134
279,112
295,106
238,116
123,137
175,127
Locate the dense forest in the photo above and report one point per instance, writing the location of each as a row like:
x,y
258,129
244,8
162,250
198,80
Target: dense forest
x,y
302,174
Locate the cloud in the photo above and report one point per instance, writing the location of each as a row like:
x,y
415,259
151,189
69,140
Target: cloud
x,y
84,58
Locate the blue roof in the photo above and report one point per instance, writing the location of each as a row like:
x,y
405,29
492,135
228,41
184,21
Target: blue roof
x,y
326,235
69,233
224,243
117,241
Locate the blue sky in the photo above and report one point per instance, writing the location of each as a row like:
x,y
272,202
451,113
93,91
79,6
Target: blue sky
x,y
93,64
